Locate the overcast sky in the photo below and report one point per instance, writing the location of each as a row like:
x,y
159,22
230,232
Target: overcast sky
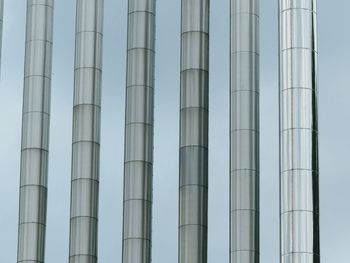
x,y
334,113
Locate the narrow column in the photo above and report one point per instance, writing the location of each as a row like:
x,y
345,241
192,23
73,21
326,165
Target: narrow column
x,y
35,131
193,188
86,132
299,192
244,132
138,158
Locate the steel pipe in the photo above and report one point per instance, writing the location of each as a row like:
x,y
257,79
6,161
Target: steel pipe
x,y
138,156
194,106
35,131
244,132
299,169
86,132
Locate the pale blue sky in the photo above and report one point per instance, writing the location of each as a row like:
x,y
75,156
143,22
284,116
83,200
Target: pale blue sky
x,y
334,76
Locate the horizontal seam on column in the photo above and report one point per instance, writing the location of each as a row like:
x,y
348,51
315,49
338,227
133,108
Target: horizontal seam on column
x,y
253,130
140,238
291,253
26,260
244,169
41,76
142,11
300,169
198,185
245,13
86,104
32,223
197,146
298,128
139,122
244,250
245,51
243,90
143,161
291,88
194,31
297,8
141,48
257,211
301,48
95,68
34,4
89,31
77,255
184,225
189,69
97,143
137,199
298,210
85,179
140,86
39,40
91,217
193,107
34,148
34,111
36,185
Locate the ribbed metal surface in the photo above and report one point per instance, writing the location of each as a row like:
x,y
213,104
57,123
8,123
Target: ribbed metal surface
x,y
35,131
86,132
138,158
299,132
244,132
1,24
193,188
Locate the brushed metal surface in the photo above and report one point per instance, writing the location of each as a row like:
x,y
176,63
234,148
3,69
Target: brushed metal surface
x,y
244,132
83,242
299,190
139,112
194,106
35,130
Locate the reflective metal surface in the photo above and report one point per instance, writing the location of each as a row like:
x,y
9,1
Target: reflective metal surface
x,y
299,132
86,132
138,157
244,132
194,106
1,24
35,131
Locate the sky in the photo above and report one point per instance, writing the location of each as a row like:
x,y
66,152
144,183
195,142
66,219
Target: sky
x,y
334,115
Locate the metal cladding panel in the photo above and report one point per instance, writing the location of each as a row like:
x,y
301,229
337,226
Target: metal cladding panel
x,y
86,132
35,131
139,119
194,116
299,190
244,132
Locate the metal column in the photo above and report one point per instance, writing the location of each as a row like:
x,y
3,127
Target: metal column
x,y
35,131
299,169
138,157
194,105
86,132
244,132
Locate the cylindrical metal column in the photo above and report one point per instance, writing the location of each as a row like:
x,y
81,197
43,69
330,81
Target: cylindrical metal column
x,y
244,132
194,106
35,131
86,132
299,200
138,157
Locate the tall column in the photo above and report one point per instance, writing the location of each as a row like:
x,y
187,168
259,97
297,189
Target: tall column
x,y
86,132
138,158
35,131
244,132
299,192
194,105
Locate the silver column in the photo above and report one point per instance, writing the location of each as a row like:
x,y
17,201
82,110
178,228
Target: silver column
x,y
86,132
35,131
244,132
193,188
138,158
299,200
